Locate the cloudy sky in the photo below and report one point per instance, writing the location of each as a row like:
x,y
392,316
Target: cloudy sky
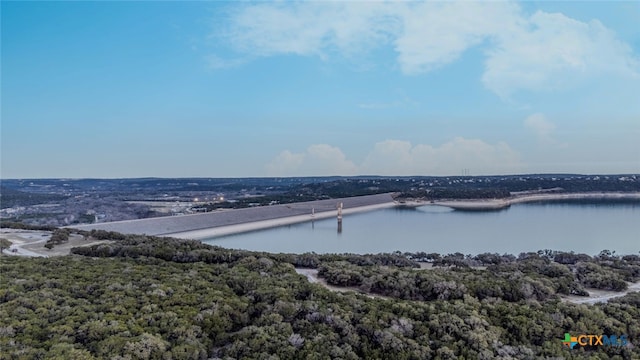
x,y
226,89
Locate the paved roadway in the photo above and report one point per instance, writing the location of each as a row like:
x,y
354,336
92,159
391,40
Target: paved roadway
x,y
174,224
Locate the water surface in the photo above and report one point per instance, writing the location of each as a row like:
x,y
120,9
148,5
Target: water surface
x,y
584,227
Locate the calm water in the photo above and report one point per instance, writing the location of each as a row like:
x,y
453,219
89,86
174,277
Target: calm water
x,y
585,228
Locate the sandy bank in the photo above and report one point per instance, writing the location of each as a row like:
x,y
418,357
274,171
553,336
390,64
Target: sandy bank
x,y
576,196
497,204
474,204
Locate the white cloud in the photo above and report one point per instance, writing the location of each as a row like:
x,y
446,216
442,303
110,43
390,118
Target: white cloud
x,y
285,162
310,28
540,52
539,124
328,159
319,159
397,157
543,129
394,157
553,52
437,33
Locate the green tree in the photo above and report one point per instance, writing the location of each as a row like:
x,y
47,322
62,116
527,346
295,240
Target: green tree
x,y
4,244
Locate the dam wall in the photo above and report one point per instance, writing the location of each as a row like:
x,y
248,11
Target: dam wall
x,y
186,223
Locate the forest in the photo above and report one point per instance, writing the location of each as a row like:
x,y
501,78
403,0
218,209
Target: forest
x,y
143,297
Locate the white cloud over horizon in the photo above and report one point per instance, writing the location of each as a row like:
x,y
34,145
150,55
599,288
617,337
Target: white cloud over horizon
x,y
317,159
540,126
540,52
544,130
401,158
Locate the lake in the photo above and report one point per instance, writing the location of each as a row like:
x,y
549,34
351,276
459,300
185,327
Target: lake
x,y
580,227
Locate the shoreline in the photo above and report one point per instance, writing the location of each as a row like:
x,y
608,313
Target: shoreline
x,y
216,224
220,231
463,205
499,204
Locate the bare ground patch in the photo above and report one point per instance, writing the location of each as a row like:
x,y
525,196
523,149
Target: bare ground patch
x,y
599,296
312,276
31,243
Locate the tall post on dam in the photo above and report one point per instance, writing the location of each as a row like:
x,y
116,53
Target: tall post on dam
x,y
339,217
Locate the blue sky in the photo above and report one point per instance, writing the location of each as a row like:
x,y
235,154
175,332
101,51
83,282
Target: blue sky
x,y
229,89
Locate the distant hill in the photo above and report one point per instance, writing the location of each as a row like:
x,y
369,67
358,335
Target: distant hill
x,y
10,197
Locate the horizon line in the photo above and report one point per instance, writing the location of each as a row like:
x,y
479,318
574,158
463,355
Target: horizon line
x,y
320,176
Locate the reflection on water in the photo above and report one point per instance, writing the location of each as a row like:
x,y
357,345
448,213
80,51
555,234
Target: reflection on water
x,y
433,209
588,227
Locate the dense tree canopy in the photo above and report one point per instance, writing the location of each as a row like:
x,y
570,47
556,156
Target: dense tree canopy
x,y
159,298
